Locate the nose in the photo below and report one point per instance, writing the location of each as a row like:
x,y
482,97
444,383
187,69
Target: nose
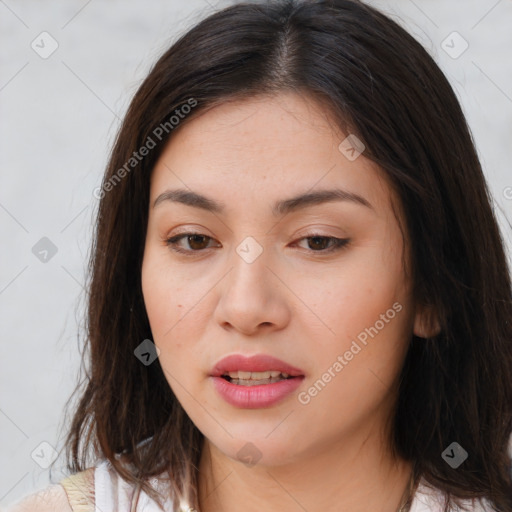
x,y
252,297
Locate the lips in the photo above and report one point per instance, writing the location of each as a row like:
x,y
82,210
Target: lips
x,y
238,380
256,363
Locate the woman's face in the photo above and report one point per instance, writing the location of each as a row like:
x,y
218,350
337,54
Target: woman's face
x,y
263,276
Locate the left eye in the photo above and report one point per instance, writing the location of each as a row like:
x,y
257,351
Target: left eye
x,y
320,242
197,242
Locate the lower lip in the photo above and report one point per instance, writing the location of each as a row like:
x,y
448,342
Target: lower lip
x,y
255,397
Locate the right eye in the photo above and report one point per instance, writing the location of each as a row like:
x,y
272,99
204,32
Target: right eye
x,y
195,241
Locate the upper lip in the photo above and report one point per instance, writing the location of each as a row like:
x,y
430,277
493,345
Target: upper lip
x,y
255,363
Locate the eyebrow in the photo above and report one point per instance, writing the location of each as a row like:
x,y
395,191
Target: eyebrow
x,y
279,208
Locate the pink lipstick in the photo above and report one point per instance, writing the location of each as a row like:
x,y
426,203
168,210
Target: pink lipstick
x,y
255,382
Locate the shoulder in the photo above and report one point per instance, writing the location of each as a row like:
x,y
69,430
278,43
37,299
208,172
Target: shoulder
x,y
49,499
80,490
74,493
97,488
429,499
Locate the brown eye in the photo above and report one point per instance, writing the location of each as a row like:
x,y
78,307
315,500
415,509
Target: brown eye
x,y
324,244
318,242
196,242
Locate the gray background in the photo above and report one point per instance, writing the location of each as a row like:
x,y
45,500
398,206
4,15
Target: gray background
x,y
58,119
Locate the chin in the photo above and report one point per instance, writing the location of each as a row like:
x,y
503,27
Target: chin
x,y
259,450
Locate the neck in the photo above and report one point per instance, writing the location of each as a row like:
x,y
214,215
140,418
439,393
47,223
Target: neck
x,y
353,474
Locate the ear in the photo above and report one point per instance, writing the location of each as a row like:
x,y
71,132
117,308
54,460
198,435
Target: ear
x,y
426,322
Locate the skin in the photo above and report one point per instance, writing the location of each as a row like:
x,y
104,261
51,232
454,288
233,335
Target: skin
x,y
294,301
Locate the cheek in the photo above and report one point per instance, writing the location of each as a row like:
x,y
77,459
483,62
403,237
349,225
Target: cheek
x,y
173,317
367,318
164,309
354,370
165,292
161,310
345,299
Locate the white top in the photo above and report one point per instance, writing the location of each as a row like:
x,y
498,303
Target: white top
x,y
113,494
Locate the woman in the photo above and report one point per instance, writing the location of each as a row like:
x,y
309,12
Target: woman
x,y
299,296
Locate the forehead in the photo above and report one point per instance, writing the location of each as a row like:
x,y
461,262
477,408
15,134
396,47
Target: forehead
x,y
268,146
275,123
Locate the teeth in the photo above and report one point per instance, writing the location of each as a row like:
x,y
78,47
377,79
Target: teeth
x,y
250,382
239,375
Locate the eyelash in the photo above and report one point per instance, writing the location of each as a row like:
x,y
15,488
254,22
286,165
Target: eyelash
x,y
337,243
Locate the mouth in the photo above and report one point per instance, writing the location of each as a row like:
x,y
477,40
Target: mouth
x,y
255,382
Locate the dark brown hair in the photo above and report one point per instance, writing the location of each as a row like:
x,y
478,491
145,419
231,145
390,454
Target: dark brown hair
x,y
380,84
